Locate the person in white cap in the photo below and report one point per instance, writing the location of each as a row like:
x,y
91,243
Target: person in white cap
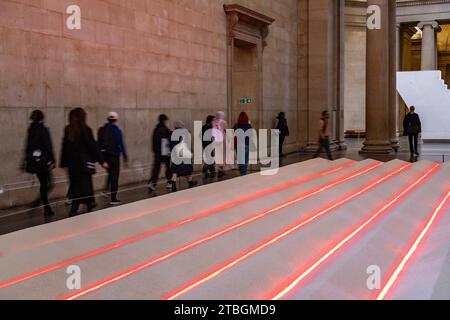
x,y
112,146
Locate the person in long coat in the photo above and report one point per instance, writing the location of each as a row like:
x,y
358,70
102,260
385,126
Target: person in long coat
x,y
79,155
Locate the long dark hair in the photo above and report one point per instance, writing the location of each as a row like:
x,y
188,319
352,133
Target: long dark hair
x,y
77,120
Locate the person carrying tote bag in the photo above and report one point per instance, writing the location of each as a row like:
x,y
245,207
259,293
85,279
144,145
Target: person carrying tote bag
x,y
183,152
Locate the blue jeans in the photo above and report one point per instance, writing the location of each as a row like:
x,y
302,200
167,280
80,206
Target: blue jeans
x,y
243,163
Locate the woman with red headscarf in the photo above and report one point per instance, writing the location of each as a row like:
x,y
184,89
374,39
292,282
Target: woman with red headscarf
x,y
243,145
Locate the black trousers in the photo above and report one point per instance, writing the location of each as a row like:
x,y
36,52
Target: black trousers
x,y
282,138
324,144
45,180
112,183
81,190
159,160
413,143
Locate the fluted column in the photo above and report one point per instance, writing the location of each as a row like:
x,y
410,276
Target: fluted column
x,y
378,139
429,47
394,40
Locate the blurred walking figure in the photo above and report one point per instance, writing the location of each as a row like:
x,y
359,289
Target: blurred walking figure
x,y
209,170
282,126
243,147
80,153
220,126
39,158
112,146
324,135
186,168
413,127
161,148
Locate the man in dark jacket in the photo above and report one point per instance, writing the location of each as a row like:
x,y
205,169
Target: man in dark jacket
x,y
284,130
161,148
412,127
112,146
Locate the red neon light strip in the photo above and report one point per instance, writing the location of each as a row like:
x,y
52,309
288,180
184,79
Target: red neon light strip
x,y
170,226
393,278
98,226
315,265
272,240
153,261
142,214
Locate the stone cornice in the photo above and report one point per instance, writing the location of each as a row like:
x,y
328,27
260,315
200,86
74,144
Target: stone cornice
x,y
421,3
248,14
354,3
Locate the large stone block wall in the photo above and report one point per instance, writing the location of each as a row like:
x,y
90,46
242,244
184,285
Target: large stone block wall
x,y
355,78
137,57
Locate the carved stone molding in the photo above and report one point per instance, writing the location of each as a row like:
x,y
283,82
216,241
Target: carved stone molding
x,y
243,20
433,24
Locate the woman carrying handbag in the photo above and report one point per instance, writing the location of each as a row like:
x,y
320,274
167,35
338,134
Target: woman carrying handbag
x,y
39,158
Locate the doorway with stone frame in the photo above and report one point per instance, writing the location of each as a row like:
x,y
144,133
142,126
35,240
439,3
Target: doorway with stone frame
x,y
245,82
246,34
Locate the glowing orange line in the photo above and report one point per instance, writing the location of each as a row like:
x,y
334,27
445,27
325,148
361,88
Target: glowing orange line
x,y
170,226
271,241
212,236
294,284
411,251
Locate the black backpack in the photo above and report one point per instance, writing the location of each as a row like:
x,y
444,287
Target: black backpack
x,y
107,141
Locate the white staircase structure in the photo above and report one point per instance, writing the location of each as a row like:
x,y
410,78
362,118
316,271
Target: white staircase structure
x,y
316,230
430,95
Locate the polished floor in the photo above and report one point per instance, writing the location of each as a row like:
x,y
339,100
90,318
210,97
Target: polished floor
x,y
317,230
24,217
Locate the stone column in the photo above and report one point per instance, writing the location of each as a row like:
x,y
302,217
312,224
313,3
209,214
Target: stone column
x,y
394,40
429,47
378,139
319,62
340,78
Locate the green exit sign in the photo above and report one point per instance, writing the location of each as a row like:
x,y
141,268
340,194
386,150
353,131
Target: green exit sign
x,y
246,101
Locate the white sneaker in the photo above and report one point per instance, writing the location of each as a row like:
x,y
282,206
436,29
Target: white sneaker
x,y
152,186
116,203
169,186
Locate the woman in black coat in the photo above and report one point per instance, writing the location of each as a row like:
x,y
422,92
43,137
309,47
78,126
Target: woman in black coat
x,y
79,155
39,158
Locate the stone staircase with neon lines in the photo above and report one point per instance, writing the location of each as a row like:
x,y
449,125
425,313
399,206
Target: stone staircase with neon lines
x,y
316,230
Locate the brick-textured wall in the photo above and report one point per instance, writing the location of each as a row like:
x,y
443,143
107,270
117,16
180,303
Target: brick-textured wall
x,y
136,57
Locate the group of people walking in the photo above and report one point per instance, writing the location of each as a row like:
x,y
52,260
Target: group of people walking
x,y
81,152
79,155
163,148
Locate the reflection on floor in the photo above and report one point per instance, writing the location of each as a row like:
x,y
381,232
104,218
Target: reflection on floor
x,y
22,218
316,230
